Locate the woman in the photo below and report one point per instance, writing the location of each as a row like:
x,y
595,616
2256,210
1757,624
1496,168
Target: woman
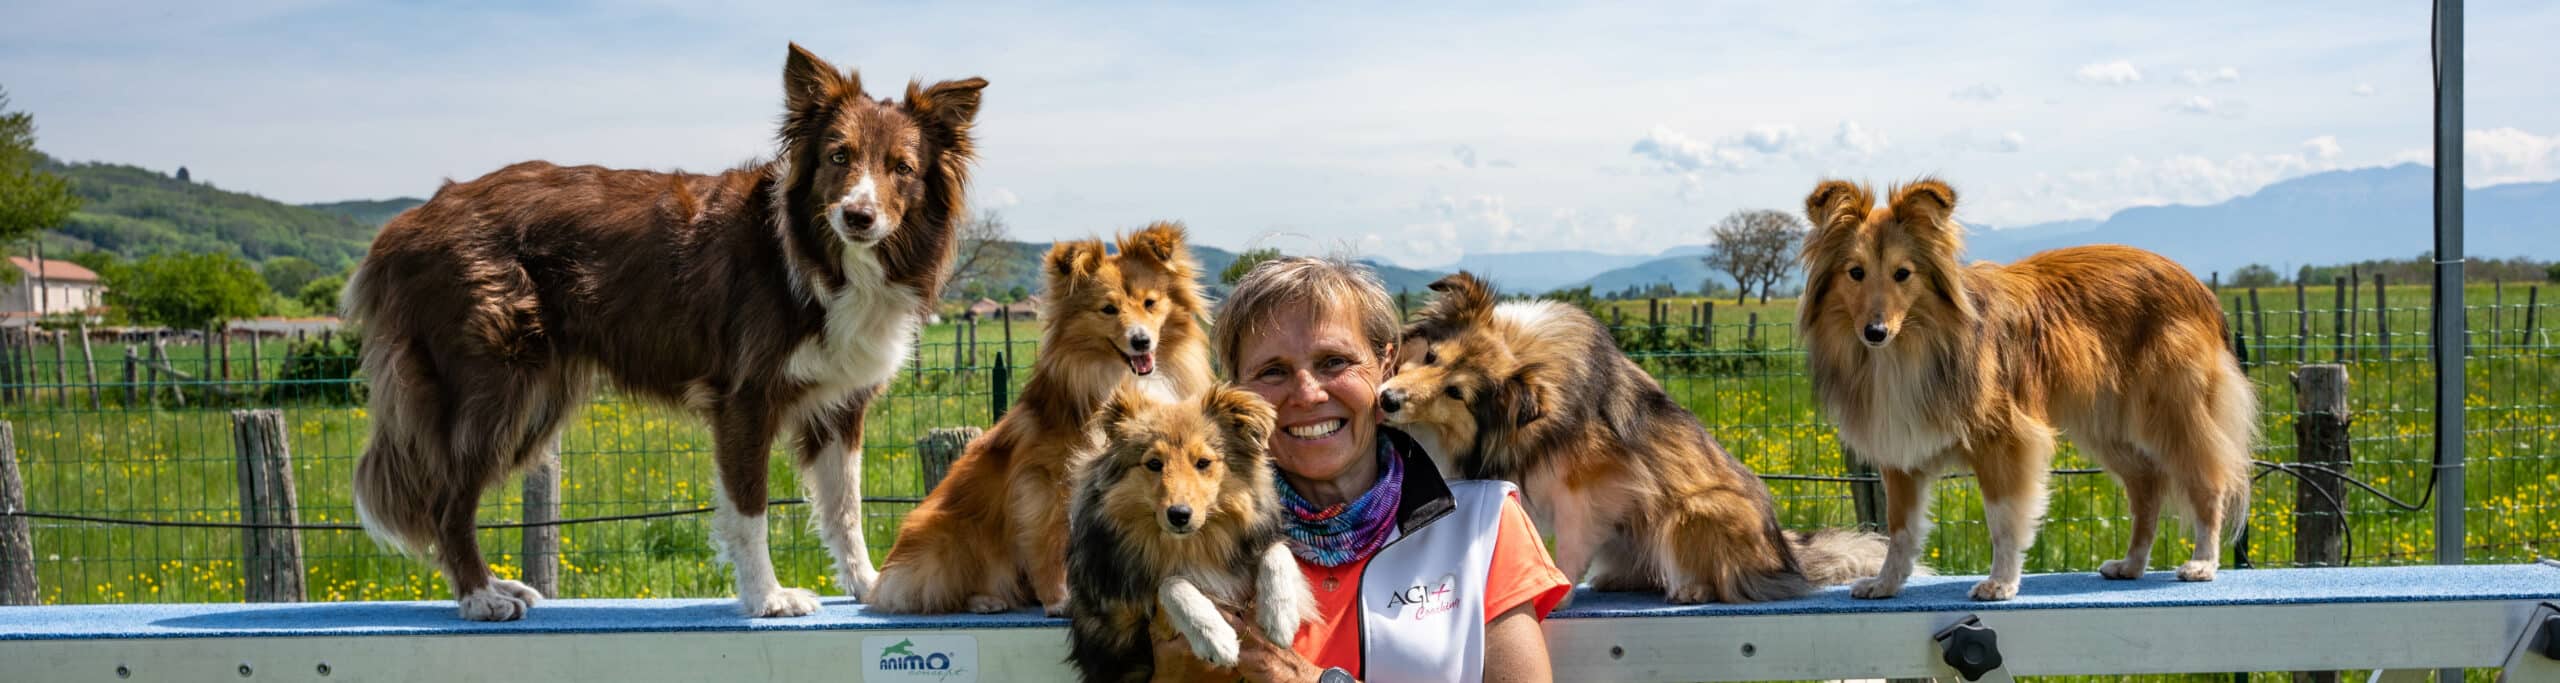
x,y
1415,578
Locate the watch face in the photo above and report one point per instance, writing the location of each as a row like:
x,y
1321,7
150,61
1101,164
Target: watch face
x,y
1335,675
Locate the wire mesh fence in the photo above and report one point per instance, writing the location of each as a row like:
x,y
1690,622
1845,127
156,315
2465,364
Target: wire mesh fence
x,y
149,438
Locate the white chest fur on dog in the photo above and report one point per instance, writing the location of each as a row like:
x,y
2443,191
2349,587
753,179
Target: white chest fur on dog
x,y
1901,426
871,327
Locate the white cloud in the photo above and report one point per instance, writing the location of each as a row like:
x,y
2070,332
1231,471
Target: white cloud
x,y
1466,155
2206,106
2363,90
1857,141
2119,72
2508,155
2324,147
2137,181
2210,76
994,198
1501,163
1978,92
2012,142
1677,152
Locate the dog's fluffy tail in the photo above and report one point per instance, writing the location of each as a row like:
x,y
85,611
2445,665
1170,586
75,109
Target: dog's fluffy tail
x,y
1837,556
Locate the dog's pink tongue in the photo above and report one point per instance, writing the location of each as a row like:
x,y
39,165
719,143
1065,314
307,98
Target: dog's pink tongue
x,y
1144,363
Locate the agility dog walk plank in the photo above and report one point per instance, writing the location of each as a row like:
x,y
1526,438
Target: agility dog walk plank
x,y
2474,616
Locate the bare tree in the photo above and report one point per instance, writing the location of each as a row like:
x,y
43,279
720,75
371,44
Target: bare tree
x,y
984,253
1756,247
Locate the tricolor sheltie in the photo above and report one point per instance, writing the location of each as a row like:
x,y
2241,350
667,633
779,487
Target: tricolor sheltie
x,y
1177,516
776,296
1635,491
993,535
1927,365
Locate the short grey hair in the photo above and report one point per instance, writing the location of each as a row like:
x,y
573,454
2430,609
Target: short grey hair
x,y
1332,285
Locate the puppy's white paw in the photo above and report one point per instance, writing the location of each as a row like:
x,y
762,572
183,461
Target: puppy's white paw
x,y
1055,609
1874,588
780,602
1991,590
2196,570
857,581
988,604
2120,570
1280,615
495,603
1216,643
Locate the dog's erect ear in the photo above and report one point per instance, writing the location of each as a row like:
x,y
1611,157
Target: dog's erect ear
x,y
1159,243
1067,259
1928,201
1244,417
1119,415
1519,401
1463,299
947,108
809,82
1837,203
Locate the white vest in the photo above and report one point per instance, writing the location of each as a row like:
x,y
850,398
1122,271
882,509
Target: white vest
x,y
1422,596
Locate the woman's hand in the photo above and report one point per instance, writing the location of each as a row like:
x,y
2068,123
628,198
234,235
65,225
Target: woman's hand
x,y
1259,659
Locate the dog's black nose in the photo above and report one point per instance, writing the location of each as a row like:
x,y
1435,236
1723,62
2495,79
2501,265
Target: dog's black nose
x,y
858,219
1392,400
1875,333
1179,516
1140,342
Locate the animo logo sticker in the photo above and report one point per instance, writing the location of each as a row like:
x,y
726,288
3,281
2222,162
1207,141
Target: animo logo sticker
x,y
920,659
1425,599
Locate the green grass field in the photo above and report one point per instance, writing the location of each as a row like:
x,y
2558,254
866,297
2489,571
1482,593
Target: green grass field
x,y
164,462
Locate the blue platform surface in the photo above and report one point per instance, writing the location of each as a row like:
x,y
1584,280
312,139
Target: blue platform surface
x,y
2234,587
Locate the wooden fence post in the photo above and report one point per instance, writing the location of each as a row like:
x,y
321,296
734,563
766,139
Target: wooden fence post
x,y
542,504
2301,323
2338,321
1709,318
271,559
11,382
17,547
2532,305
937,449
2382,312
132,376
61,371
1868,496
2322,448
90,359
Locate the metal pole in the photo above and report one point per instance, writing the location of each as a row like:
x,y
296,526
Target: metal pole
x,y
2448,294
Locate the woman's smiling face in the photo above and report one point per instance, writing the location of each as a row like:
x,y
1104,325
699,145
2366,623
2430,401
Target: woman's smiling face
x,y
1322,376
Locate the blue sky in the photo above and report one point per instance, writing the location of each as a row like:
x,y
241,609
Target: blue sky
x,y
1413,134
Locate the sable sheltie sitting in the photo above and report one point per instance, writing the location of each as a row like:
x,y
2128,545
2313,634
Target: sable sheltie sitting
x,y
1177,516
993,535
1630,484
781,295
1926,364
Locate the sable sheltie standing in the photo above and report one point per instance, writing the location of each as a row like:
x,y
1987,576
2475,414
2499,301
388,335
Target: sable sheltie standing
x,y
781,295
1926,364
1634,489
1177,516
992,536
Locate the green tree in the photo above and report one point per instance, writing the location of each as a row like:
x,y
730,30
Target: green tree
x,y
2255,275
290,273
321,296
2552,273
30,200
1245,263
186,291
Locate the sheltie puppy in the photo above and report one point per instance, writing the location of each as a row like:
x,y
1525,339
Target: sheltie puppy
x,y
1635,491
1926,364
778,296
993,535
1177,516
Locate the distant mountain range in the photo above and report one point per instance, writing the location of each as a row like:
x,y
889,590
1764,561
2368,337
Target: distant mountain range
x,y
2319,219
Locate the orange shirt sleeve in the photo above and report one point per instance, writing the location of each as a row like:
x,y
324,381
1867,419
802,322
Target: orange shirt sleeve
x,y
1522,572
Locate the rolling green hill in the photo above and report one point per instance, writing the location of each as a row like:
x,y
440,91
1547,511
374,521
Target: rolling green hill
x,y
135,212
373,212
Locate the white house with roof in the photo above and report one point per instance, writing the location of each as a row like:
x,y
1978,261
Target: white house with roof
x,y
51,287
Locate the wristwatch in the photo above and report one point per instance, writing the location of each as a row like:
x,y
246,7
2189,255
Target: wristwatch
x,y
1336,675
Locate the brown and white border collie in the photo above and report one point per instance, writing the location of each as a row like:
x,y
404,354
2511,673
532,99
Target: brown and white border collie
x,y
1636,492
993,535
1927,365
777,296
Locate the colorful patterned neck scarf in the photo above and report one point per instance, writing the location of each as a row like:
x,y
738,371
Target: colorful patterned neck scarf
x,y
1345,532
